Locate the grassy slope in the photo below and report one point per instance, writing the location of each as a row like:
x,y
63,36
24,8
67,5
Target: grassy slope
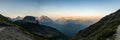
x,y
101,30
2,18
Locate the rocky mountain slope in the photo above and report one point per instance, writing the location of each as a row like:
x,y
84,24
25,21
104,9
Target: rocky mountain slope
x,y
105,29
27,30
10,31
13,33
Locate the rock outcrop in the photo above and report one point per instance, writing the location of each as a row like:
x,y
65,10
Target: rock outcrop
x,y
30,19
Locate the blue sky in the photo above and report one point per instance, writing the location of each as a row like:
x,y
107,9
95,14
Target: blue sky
x,y
58,8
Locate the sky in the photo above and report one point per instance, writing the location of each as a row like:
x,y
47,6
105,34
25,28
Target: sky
x,y
58,8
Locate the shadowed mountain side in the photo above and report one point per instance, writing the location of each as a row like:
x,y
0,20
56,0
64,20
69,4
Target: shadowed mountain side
x,y
67,26
46,32
10,31
102,30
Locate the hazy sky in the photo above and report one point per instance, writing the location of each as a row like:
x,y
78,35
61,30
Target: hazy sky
x,y
58,8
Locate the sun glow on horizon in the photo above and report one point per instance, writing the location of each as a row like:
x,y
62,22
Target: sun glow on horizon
x,y
59,8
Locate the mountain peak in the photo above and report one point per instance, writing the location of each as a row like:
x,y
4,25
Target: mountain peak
x,y
44,17
30,19
19,18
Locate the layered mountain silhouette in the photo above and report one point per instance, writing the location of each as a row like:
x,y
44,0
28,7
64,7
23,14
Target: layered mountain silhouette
x,y
67,26
33,26
45,20
71,27
15,19
105,29
27,29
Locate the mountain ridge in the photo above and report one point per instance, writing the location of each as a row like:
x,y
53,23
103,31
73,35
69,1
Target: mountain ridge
x,y
34,27
101,30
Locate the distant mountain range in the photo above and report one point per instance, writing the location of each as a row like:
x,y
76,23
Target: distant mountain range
x,y
32,25
27,29
69,27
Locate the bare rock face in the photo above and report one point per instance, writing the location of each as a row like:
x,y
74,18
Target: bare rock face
x,y
30,19
13,33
